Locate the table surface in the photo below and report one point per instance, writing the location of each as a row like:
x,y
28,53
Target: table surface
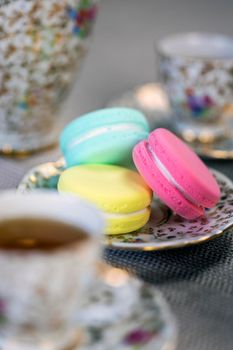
x,y
197,281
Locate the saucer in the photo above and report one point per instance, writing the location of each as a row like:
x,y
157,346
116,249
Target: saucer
x,y
151,99
118,312
122,313
165,230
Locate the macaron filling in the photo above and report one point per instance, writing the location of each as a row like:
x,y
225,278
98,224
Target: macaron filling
x,y
165,172
104,130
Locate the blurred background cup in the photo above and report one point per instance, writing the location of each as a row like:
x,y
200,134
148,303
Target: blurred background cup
x,y
42,45
45,271
196,70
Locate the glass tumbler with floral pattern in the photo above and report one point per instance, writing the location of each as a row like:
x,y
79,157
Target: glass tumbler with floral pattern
x,y
197,72
42,44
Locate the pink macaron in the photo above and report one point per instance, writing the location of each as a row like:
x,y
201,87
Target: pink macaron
x,y
176,174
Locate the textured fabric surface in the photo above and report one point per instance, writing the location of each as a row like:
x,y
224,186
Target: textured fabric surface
x,y
197,281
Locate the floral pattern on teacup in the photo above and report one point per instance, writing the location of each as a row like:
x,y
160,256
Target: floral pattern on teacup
x,y
3,311
138,337
82,17
198,89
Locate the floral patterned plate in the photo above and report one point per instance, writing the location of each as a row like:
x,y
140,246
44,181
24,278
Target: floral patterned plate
x,y
122,313
165,229
118,313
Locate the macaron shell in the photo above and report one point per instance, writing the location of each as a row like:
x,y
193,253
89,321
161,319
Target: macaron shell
x,y
127,223
161,186
99,118
111,188
186,167
109,148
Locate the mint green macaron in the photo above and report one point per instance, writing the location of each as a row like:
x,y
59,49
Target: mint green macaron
x,y
105,136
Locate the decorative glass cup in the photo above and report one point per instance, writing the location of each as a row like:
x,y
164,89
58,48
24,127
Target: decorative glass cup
x,y
42,45
197,72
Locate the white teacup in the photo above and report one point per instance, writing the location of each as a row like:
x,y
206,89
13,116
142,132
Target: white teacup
x,y
44,278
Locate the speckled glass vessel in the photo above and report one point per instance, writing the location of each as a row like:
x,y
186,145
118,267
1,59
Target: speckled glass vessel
x,y
42,44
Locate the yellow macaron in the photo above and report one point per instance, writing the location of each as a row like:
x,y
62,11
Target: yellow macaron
x,y
120,193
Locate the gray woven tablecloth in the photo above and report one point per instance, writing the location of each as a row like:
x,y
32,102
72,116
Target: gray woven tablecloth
x,y
197,281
